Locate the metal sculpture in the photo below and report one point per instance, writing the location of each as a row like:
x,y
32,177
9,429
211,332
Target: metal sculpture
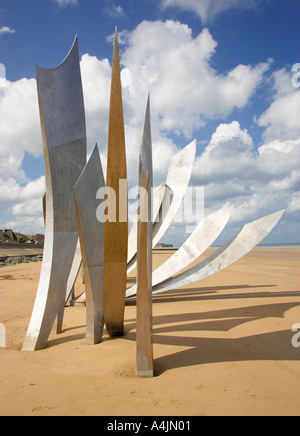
x,y
64,142
91,235
203,236
179,175
243,242
76,265
144,257
144,347
106,250
178,178
116,232
159,194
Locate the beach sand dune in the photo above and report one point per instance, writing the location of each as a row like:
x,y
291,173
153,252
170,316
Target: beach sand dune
x,y
222,346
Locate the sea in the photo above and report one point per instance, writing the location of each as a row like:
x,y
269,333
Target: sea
x,y
278,245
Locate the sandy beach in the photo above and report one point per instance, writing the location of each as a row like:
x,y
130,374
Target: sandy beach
x,y
222,346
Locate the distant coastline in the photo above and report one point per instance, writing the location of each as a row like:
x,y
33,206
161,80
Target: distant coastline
x,y
279,246
297,245
260,246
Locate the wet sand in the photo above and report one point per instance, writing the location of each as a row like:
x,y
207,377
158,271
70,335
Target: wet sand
x,y
222,346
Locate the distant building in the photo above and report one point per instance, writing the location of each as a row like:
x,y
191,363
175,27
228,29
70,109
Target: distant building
x,y
162,245
7,235
39,240
21,238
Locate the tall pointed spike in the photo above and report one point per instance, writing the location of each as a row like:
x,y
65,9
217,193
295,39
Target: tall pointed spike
x,y
144,255
64,141
144,346
116,233
91,234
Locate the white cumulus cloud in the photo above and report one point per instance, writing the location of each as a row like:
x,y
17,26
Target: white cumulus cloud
x,y
186,91
256,182
281,119
19,125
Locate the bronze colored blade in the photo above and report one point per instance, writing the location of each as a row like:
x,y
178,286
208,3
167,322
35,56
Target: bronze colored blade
x,y
116,233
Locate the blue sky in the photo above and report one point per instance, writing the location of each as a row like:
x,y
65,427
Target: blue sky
x,y
218,71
